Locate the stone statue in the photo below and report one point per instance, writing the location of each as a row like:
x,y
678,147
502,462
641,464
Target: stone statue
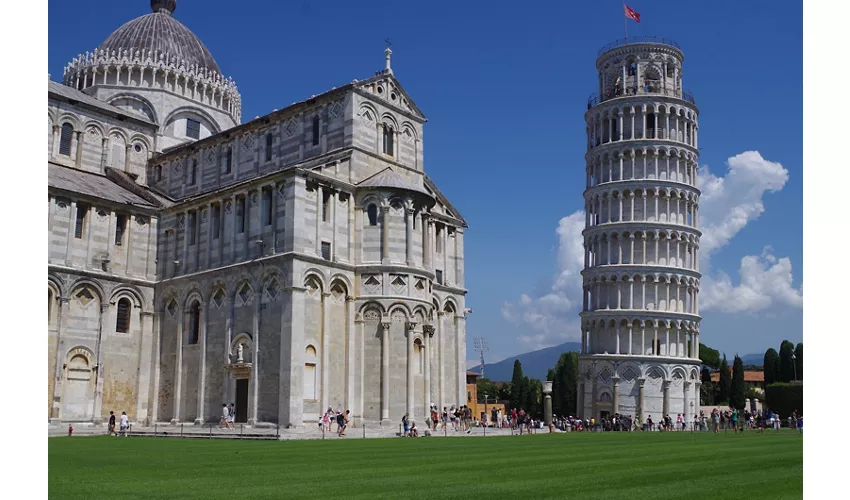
x,y
239,354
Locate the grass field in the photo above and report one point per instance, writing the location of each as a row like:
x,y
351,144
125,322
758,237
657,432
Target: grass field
x,y
557,466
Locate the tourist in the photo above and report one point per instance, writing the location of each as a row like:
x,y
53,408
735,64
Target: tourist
x,y
405,423
225,414
342,423
111,424
326,421
445,418
777,422
735,420
124,424
232,417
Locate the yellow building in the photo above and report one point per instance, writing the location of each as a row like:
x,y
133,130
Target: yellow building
x,y
479,409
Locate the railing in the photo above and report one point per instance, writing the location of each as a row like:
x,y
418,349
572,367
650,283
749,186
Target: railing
x,y
595,99
638,39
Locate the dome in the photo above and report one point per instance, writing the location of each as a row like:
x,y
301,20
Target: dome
x,y
160,32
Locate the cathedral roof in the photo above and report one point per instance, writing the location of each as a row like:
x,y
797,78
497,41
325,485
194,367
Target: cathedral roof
x,y
94,185
69,94
387,178
159,32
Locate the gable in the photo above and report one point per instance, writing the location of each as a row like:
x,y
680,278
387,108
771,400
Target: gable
x,y
443,202
389,91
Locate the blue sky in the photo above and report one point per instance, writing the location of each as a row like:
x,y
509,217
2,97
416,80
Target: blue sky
x,y
504,86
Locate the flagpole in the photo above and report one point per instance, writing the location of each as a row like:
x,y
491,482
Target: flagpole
x,y
625,22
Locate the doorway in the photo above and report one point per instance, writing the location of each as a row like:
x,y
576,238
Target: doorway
x,y
242,400
604,414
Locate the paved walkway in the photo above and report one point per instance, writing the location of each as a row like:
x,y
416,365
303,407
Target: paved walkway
x,y
242,431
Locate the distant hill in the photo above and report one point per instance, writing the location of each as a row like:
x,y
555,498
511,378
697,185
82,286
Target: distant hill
x,y
535,364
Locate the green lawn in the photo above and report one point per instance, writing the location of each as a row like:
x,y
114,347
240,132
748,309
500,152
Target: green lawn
x,y
558,466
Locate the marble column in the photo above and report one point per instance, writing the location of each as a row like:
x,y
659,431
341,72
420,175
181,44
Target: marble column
x,y
78,135
616,408
326,347
428,332
410,372
255,360
426,242
641,399
178,366
409,239
202,355
385,235
319,215
350,309
686,415
62,317
666,398
385,372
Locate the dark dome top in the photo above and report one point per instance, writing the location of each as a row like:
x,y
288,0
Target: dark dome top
x,y
159,31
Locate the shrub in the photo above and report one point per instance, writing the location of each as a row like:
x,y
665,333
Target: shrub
x,y
784,398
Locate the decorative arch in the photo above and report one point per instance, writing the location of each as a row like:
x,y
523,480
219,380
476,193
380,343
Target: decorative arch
x,y
247,342
399,306
342,280
189,110
85,282
74,120
368,113
317,275
389,119
150,110
450,305
130,291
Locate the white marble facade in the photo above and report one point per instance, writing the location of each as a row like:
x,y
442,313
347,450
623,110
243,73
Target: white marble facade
x,y
640,317
300,261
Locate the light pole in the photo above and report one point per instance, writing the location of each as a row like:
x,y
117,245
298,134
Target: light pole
x,y
794,362
486,415
547,404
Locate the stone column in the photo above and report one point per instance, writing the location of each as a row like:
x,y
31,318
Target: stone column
x,y
255,359
385,372
184,261
202,372
72,226
319,213
126,166
178,366
157,348
208,253
57,129
97,414
697,387
630,339
460,355
352,228
410,372
78,135
428,332
326,347
593,399
233,226
441,397
332,202
616,408
349,310
409,239
426,242
641,399
686,414
385,235
666,386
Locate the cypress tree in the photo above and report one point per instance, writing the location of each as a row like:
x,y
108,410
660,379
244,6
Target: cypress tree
x,y
516,386
564,388
786,364
771,366
725,381
737,391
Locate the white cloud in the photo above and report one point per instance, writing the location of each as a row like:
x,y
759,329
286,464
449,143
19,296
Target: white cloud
x,y
765,282
727,205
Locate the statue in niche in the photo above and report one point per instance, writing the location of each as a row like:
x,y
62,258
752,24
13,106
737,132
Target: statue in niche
x,y
239,358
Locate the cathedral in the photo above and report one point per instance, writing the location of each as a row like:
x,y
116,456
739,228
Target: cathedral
x,y
299,261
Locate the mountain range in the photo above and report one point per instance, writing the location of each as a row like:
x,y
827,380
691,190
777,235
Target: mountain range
x,y
536,364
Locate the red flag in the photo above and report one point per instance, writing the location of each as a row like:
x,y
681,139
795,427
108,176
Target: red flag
x,y
632,14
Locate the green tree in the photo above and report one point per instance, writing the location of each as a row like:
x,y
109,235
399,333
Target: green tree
x,y
488,387
771,366
705,375
564,389
737,389
706,394
725,381
786,364
516,398
709,356
798,352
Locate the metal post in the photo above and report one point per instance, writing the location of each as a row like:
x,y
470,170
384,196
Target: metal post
x,y
210,431
364,431
241,428
181,431
323,432
277,432
154,429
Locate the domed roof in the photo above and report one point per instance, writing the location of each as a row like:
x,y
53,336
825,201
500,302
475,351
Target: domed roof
x,y
160,32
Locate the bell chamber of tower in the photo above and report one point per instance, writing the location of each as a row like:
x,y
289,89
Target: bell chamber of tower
x,y
640,315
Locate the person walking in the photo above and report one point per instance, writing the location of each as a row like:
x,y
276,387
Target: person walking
x,y
124,423
225,414
111,428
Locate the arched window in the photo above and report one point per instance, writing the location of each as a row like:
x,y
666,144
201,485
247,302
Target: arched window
x,y
194,323
228,160
122,316
269,142
372,211
388,140
316,123
65,139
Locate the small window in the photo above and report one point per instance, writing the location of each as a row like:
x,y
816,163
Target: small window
x,y
228,160
439,276
372,212
65,139
193,172
269,142
316,124
193,128
122,316
216,221
326,204
192,227
439,234
82,211
326,250
388,140
194,323
240,215
120,227
267,206
310,381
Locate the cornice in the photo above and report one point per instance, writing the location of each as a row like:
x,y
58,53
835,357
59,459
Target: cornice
x,y
643,269
628,144
607,227
100,275
640,184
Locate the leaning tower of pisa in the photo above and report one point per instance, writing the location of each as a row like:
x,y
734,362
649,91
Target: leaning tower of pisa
x,y
640,315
